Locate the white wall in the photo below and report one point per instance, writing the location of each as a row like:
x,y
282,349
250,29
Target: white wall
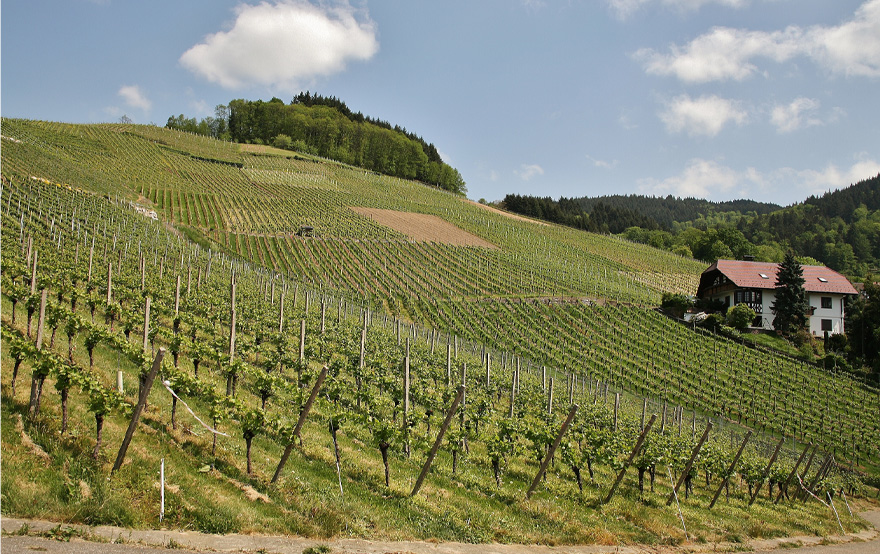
x,y
834,313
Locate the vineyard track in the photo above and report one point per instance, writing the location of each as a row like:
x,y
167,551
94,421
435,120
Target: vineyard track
x,y
865,542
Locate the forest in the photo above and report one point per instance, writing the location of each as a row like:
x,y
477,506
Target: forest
x,y
840,229
326,127
669,210
603,218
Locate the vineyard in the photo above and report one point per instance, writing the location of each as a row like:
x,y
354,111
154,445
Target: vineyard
x,y
350,346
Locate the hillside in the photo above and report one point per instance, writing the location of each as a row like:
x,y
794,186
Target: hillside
x,y
326,127
840,229
532,317
669,210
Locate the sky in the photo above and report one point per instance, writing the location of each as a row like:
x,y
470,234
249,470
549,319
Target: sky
x,y
773,100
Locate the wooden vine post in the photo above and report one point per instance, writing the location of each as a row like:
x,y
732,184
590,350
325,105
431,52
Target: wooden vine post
x,y
281,312
784,486
552,450
177,297
513,377
433,453
823,469
42,318
767,471
406,382
302,419
302,341
34,274
147,323
231,377
109,282
730,469
37,379
629,460
690,463
139,407
91,259
807,467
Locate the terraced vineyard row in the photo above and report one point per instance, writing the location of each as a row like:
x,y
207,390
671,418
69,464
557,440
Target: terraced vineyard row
x,y
631,348
242,194
195,319
549,296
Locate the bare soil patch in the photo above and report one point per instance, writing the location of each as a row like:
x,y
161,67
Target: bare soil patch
x,y
423,227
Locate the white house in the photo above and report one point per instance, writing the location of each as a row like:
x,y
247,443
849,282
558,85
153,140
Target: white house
x,y
753,283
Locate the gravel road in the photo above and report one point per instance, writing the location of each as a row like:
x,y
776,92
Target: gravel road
x,y
105,540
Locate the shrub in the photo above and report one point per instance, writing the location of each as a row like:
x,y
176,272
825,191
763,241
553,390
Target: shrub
x,y
281,141
676,304
740,316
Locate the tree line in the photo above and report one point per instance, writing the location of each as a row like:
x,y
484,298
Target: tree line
x,y
840,229
669,210
326,127
603,218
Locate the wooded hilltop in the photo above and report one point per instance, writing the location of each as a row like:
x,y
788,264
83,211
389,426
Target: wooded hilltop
x,y
326,127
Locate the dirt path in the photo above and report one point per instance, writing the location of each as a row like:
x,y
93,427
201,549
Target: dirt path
x,y
26,536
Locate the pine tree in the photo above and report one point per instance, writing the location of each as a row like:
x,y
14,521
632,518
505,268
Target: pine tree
x,y
791,305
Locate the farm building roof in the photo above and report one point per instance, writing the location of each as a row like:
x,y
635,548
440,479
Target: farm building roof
x,y
762,275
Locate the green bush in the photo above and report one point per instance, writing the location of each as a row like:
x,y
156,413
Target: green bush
x,y
740,316
676,304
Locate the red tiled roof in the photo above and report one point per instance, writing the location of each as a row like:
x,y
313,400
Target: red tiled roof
x,y
748,275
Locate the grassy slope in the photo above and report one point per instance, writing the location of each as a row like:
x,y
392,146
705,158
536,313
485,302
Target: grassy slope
x,y
562,515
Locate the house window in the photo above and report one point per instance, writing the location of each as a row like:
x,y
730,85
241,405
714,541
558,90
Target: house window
x,y
750,297
826,302
826,325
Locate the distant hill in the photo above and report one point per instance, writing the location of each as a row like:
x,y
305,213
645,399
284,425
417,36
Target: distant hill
x,y
602,218
844,203
840,229
666,211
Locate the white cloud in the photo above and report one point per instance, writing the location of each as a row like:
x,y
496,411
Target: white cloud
x,y
626,120
797,114
707,179
134,97
527,171
625,8
700,179
721,54
603,163
831,177
283,43
534,5
852,48
705,115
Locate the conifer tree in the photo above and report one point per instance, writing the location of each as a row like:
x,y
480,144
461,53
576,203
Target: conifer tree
x,y
791,305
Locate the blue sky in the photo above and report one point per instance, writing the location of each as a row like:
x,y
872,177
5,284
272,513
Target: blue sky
x,y
766,99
